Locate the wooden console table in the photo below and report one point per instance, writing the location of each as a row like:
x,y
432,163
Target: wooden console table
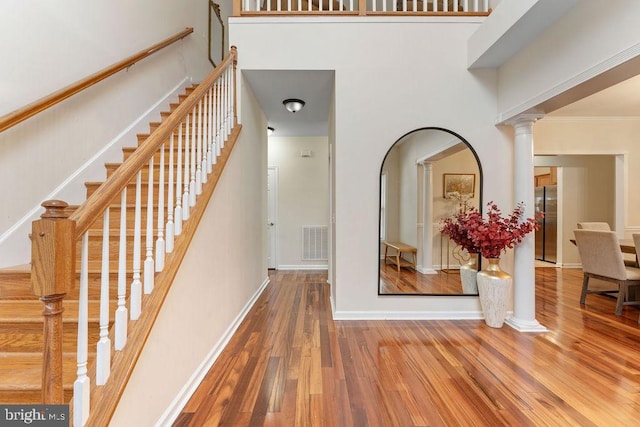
x,y
396,258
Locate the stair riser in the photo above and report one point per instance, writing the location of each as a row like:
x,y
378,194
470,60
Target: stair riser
x,y
28,397
29,337
131,192
20,288
127,151
114,219
112,167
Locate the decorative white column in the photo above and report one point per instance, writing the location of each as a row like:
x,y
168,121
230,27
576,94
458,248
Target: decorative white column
x,y
427,219
524,291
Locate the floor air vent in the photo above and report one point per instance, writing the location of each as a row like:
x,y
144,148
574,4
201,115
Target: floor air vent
x,y
315,243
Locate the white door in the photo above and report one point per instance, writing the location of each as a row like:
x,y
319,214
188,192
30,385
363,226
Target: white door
x,y
272,227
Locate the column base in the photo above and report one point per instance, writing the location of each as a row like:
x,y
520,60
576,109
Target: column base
x,y
525,325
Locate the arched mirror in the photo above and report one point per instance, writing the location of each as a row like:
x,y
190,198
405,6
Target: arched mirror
x,y
427,175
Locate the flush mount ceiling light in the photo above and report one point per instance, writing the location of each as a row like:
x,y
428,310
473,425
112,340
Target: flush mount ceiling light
x,y
293,105
270,130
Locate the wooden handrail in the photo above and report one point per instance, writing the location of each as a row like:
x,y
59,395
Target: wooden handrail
x,y
42,104
56,235
97,203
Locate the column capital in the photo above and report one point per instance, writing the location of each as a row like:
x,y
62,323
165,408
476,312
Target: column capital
x,y
425,164
524,119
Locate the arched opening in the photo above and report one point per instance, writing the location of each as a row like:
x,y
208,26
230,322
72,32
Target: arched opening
x,y
426,175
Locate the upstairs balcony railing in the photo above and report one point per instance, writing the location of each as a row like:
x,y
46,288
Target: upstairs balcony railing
x,y
361,7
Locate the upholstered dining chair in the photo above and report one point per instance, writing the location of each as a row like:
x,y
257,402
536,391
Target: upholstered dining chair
x,y
602,226
602,259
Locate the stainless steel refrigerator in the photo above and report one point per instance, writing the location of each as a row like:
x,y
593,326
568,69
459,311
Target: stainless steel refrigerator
x,y
546,237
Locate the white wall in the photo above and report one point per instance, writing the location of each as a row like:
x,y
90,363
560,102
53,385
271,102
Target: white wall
x,y
303,195
591,38
204,301
55,44
372,110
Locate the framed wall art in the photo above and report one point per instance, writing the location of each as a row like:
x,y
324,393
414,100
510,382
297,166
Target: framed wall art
x,y
458,185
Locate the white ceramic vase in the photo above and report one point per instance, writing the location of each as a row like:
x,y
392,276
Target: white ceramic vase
x,y
468,274
494,289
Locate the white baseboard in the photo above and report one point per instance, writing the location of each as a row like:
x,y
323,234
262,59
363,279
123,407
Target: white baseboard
x,y
427,270
176,406
570,265
407,315
303,267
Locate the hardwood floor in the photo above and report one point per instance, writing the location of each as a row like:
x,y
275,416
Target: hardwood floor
x,y
410,281
290,364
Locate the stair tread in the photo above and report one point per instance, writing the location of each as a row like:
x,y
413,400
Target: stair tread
x,y
27,367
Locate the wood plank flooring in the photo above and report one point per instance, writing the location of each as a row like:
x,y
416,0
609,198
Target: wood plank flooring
x,y
290,364
410,281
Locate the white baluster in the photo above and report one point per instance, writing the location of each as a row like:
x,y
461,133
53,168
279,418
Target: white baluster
x,y
218,116
170,197
456,5
198,164
136,286
475,5
223,105
121,311
178,217
289,5
212,143
149,265
192,162
103,347
160,242
229,106
485,7
465,5
82,384
232,95
351,5
205,138
185,194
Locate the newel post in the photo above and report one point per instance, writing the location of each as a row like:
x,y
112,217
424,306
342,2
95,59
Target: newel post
x,y
52,273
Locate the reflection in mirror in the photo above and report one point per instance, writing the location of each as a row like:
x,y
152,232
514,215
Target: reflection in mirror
x,y
427,175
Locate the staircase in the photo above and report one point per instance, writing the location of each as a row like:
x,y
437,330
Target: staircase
x,y
21,320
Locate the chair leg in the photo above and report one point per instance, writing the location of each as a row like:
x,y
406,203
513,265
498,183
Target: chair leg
x,y
622,297
585,284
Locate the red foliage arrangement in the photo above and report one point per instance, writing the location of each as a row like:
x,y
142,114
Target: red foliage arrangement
x,y
490,236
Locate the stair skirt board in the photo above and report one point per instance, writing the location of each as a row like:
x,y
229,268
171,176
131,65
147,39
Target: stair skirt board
x,y
176,406
15,248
